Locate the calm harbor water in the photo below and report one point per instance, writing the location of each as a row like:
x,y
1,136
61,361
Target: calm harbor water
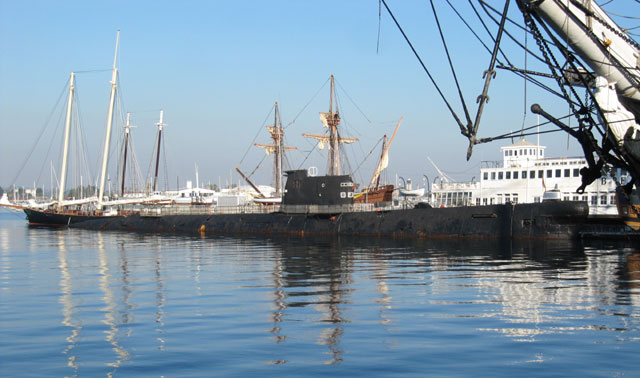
x,y
85,303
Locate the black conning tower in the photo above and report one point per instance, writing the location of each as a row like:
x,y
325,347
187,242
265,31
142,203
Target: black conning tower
x,y
302,189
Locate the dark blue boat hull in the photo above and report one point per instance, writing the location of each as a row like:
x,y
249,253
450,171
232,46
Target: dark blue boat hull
x,y
53,219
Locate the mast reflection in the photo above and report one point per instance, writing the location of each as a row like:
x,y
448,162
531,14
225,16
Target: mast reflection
x,y
68,308
325,269
279,302
160,299
110,309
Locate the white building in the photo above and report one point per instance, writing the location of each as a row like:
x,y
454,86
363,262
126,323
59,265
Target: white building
x,y
523,176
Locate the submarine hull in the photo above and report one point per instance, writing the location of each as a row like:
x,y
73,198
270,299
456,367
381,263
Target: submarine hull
x,y
545,220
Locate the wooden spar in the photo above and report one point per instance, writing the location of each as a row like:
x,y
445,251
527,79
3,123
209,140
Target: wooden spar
x,y
67,133
277,135
378,170
384,157
160,127
277,142
331,120
325,138
250,183
107,139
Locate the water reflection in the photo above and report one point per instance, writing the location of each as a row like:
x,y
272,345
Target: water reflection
x,y
312,275
630,276
111,318
160,298
279,302
66,300
531,288
321,300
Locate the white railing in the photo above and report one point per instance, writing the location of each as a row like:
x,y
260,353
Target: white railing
x,y
205,210
158,211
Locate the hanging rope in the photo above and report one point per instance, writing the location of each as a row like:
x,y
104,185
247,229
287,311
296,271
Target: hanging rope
x,y
368,154
352,101
453,71
524,117
379,24
307,104
424,67
256,137
42,130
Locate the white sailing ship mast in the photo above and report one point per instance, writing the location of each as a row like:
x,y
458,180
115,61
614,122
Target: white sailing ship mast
x,y
107,141
67,136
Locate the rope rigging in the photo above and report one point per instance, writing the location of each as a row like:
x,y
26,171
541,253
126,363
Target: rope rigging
x,y
257,134
41,133
424,67
453,71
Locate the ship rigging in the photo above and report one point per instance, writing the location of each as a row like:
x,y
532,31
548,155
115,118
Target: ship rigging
x,y
591,63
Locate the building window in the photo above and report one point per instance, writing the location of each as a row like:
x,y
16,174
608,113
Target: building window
x,y
532,174
499,175
603,199
576,172
524,174
612,199
508,175
514,198
485,176
506,153
549,173
558,172
507,198
567,172
515,175
594,200
575,198
525,152
493,175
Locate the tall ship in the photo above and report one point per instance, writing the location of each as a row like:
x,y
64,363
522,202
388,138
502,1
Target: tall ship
x,y
575,54
64,212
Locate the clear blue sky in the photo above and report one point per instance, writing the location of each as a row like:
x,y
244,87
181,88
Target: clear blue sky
x,y
216,68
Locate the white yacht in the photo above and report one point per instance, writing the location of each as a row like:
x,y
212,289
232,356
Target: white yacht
x,y
524,176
